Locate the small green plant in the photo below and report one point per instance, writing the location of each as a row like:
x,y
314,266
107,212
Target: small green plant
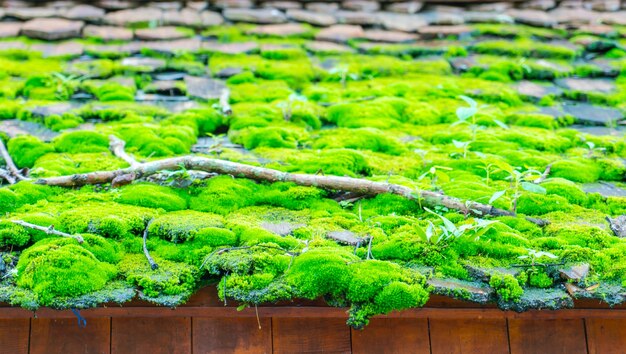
x,y
593,150
467,115
534,256
344,74
507,287
448,231
463,145
436,174
519,181
295,100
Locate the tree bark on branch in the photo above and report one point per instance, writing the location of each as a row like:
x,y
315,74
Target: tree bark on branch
x,y
11,167
48,230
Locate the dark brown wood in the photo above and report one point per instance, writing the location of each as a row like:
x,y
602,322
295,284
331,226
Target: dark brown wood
x,y
392,335
63,336
151,335
450,336
559,336
310,335
232,335
606,336
14,336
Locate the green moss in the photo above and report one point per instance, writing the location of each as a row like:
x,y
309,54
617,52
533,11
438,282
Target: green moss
x,y
170,278
274,137
539,204
566,189
381,113
152,196
576,170
525,48
320,272
81,142
223,195
214,237
507,287
180,226
12,235
26,149
360,139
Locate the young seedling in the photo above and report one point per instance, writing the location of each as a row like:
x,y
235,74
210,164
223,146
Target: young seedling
x,y
519,181
467,115
435,175
344,74
449,232
295,100
534,256
463,145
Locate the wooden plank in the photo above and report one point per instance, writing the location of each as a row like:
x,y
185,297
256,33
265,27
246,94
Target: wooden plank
x,y
449,336
232,335
14,336
151,335
392,335
310,335
605,336
529,336
65,336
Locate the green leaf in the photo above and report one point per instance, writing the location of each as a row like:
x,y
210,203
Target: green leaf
x,y
449,226
501,124
533,188
463,113
496,196
470,101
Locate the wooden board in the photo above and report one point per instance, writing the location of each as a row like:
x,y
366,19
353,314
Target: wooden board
x,y
606,336
310,335
392,335
65,336
448,336
151,335
232,335
547,336
14,336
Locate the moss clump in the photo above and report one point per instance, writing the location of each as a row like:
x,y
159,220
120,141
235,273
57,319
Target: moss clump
x,y
539,204
12,235
214,237
170,278
180,226
576,170
566,189
360,139
62,270
381,113
273,137
81,142
507,287
224,194
152,196
26,149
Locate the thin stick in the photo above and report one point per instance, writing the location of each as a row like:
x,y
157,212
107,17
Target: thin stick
x,y
48,230
117,145
153,264
349,184
225,102
13,170
4,174
544,175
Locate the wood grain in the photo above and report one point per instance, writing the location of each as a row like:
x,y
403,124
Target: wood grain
x,y
63,335
449,336
232,335
151,335
14,336
558,336
392,335
310,335
605,336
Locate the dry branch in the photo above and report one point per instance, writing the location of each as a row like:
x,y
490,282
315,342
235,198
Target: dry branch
x,y
544,175
153,264
225,102
13,170
349,184
117,145
4,174
48,230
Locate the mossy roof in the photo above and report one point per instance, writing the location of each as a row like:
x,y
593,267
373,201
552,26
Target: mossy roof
x,y
389,114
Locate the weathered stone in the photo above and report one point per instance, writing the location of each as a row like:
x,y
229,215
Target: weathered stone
x,y
606,189
613,18
133,16
52,28
72,49
532,17
589,114
84,12
115,4
598,30
53,109
28,13
344,236
573,17
228,72
255,16
9,45
538,4
286,29
443,8
233,4
231,48
108,33
576,273
537,91
151,64
165,87
204,88
444,31
311,17
409,7
210,18
486,17
327,47
160,33
484,274
587,85
462,64
60,4
617,225
402,22
357,18
550,299
166,46
325,7
443,18
459,289
339,33
283,5
10,29
15,127
197,5
571,4
605,5
491,7
361,5
389,36
281,229
167,5
185,17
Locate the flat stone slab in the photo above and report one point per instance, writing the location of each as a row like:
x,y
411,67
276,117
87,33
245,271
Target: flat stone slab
x,y
327,47
576,272
192,18
52,28
204,88
160,33
402,22
589,114
149,63
29,13
344,236
405,7
10,29
281,229
84,12
619,131
108,33
311,17
231,48
389,36
442,18
587,85
459,289
541,299
357,18
72,49
282,5
323,7
532,17
261,16
536,91
444,31
15,127
165,87
486,17
286,29
361,5
340,33
604,188
131,16
53,109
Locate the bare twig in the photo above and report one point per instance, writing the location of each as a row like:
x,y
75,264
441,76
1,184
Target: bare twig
x,y
153,264
13,170
4,174
544,175
48,230
117,145
225,102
